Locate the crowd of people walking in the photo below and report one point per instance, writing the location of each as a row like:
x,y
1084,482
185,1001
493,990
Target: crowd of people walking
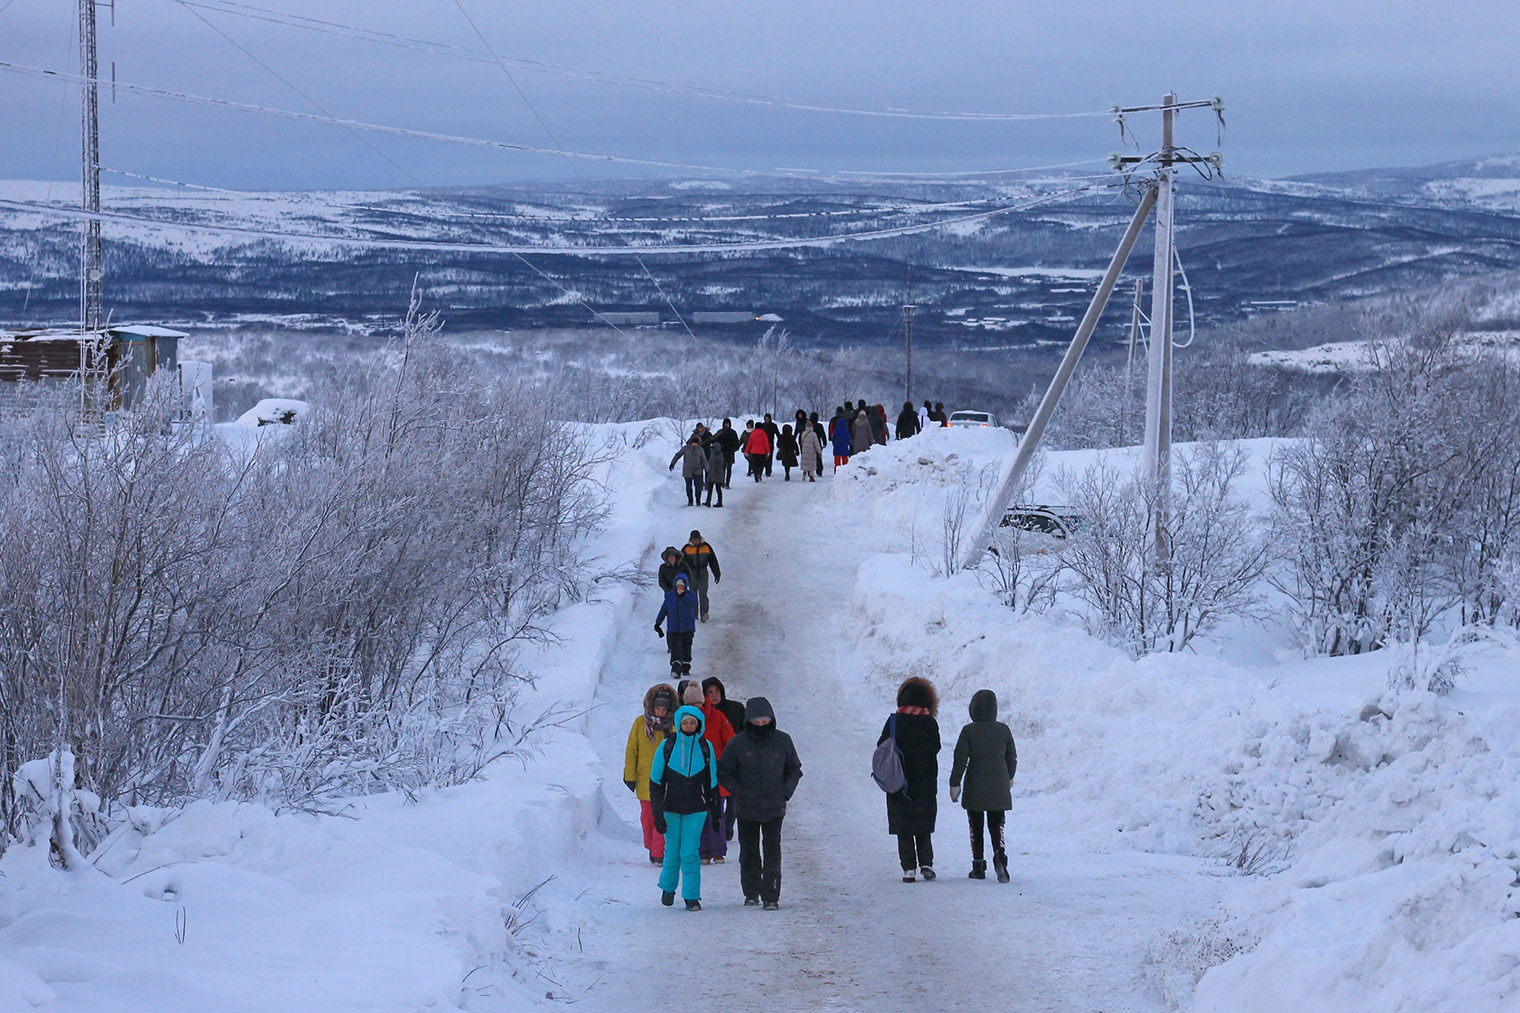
x,y
706,768
707,457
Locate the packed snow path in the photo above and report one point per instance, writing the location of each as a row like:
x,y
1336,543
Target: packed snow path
x,y
1070,932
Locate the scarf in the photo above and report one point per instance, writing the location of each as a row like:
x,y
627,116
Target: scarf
x,y
653,724
920,711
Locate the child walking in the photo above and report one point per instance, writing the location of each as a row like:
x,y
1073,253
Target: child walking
x,y
683,794
986,756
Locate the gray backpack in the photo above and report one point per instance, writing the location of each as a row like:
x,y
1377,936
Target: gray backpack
x,y
887,762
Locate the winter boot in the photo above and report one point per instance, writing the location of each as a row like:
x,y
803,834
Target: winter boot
x,y
909,876
752,902
928,872
978,870
667,897
693,905
771,905
1000,863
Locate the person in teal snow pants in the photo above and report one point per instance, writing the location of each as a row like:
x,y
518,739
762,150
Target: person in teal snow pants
x,y
683,794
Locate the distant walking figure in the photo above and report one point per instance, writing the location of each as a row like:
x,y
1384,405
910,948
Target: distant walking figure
x,y
701,560
715,473
786,452
810,454
693,467
681,608
911,811
840,437
986,756
757,449
907,422
861,436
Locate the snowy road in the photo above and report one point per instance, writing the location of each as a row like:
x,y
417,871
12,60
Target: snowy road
x,y
1070,932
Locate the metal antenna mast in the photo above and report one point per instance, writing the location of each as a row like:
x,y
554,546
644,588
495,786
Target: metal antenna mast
x,y
91,315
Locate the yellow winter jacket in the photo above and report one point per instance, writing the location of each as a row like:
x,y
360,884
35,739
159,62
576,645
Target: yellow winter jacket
x,y
638,757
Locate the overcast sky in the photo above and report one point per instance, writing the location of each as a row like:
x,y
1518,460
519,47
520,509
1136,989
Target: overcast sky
x,y
1309,85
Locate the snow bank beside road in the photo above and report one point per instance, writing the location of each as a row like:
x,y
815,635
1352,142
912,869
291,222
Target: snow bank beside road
x,y
1370,840
391,904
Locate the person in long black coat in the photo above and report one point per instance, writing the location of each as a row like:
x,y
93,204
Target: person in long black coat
x,y
911,812
759,769
986,756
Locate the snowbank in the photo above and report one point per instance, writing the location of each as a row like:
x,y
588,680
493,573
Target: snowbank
x,y
453,900
1372,838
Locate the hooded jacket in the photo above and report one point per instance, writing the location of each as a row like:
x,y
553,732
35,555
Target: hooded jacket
x,y
985,754
680,607
810,451
717,463
638,757
760,768
786,450
728,439
684,776
670,567
732,709
860,433
907,423
840,434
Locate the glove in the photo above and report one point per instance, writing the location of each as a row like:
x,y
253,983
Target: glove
x,y
632,787
717,579
659,631
660,827
955,793
714,818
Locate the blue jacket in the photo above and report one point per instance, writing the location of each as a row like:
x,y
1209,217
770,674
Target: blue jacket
x,y
682,610
841,437
688,782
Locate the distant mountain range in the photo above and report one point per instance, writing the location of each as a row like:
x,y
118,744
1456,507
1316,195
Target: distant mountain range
x,y
1009,280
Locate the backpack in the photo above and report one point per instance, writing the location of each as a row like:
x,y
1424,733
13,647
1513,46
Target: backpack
x,y
670,748
887,762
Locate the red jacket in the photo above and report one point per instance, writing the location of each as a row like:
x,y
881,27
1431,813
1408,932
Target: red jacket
x,y
716,730
758,442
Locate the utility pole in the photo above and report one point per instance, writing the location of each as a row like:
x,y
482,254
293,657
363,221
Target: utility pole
x,y
91,315
908,308
1158,403
1158,388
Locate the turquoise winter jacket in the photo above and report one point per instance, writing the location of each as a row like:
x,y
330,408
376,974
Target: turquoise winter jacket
x,y
688,782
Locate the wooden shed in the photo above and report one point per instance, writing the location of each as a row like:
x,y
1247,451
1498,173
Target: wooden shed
x,y
132,353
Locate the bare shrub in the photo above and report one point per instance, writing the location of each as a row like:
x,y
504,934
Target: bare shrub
x,y
1215,555
297,612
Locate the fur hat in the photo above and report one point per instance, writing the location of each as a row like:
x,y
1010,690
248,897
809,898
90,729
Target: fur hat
x,y
918,692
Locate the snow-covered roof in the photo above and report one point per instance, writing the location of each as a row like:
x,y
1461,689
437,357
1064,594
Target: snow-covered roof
x,y
147,331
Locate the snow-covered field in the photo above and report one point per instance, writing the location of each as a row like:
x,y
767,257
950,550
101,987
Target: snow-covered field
x,y
1229,829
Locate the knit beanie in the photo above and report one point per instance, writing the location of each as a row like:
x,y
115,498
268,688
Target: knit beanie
x,y
693,695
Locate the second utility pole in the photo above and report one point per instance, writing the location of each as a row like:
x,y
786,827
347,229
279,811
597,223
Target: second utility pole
x,y
1158,388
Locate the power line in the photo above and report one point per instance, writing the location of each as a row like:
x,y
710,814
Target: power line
x,y
555,141
755,246
242,10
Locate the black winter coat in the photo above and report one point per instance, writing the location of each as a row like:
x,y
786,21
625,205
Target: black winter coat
x,y
985,754
759,767
907,424
786,450
668,570
728,439
912,810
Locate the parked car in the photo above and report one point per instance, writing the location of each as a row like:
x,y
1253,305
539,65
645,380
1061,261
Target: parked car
x,y
973,419
1055,521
